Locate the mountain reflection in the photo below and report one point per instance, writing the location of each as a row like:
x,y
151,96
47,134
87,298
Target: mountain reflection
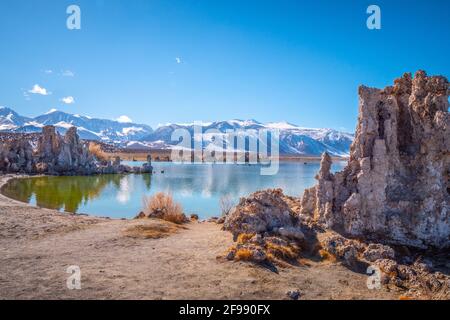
x,y
197,187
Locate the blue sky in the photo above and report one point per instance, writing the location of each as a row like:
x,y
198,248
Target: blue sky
x,y
299,61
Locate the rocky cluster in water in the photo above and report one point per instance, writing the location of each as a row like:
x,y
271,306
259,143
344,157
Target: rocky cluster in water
x,y
54,154
394,194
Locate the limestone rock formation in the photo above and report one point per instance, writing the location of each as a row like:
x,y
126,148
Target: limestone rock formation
x,y
16,157
147,167
262,211
396,186
51,153
48,144
265,228
412,275
63,155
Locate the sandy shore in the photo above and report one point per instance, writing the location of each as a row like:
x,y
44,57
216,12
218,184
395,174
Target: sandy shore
x,y
38,245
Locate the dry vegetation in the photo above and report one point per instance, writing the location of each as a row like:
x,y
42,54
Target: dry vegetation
x,y
243,238
226,204
96,150
162,206
272,250
327,256
244,254
283,252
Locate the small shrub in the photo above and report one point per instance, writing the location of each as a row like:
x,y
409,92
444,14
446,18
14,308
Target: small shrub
x,y
97,151
226,204
282,252
162,206
175,218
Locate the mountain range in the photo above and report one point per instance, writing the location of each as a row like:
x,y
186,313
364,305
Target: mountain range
x,y
294,140
109,131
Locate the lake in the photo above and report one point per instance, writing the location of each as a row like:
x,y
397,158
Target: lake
x,y
198,187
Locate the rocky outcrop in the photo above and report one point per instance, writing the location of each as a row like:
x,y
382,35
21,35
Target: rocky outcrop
x,y
261,212
419,279
411,274
63,155
16,157
394,190
265,228
317,201
48,144
396,186
54,154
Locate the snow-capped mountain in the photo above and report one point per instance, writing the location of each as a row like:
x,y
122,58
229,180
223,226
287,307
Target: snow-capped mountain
x,y
88,128
9,119
294,140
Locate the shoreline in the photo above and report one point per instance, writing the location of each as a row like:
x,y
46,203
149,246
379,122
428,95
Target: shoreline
x,y
39,244
165,156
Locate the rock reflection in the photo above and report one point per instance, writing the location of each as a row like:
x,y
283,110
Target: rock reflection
x,y
64,193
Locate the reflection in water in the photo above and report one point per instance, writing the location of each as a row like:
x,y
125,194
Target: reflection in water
x,y
198,187
60,193
123,195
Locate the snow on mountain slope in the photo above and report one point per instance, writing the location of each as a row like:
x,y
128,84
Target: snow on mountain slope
x,y
9,119
88,128
294,140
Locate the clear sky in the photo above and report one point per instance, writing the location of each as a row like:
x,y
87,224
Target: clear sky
x,y
159,61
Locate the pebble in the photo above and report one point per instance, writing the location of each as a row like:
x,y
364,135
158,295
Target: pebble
x,y
293,294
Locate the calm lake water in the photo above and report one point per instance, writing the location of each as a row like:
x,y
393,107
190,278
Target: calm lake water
x,y
198,187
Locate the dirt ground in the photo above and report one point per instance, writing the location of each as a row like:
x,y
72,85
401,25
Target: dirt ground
x,y
38,245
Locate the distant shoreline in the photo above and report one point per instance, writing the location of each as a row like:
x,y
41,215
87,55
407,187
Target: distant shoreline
x,y
160,155
110,151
